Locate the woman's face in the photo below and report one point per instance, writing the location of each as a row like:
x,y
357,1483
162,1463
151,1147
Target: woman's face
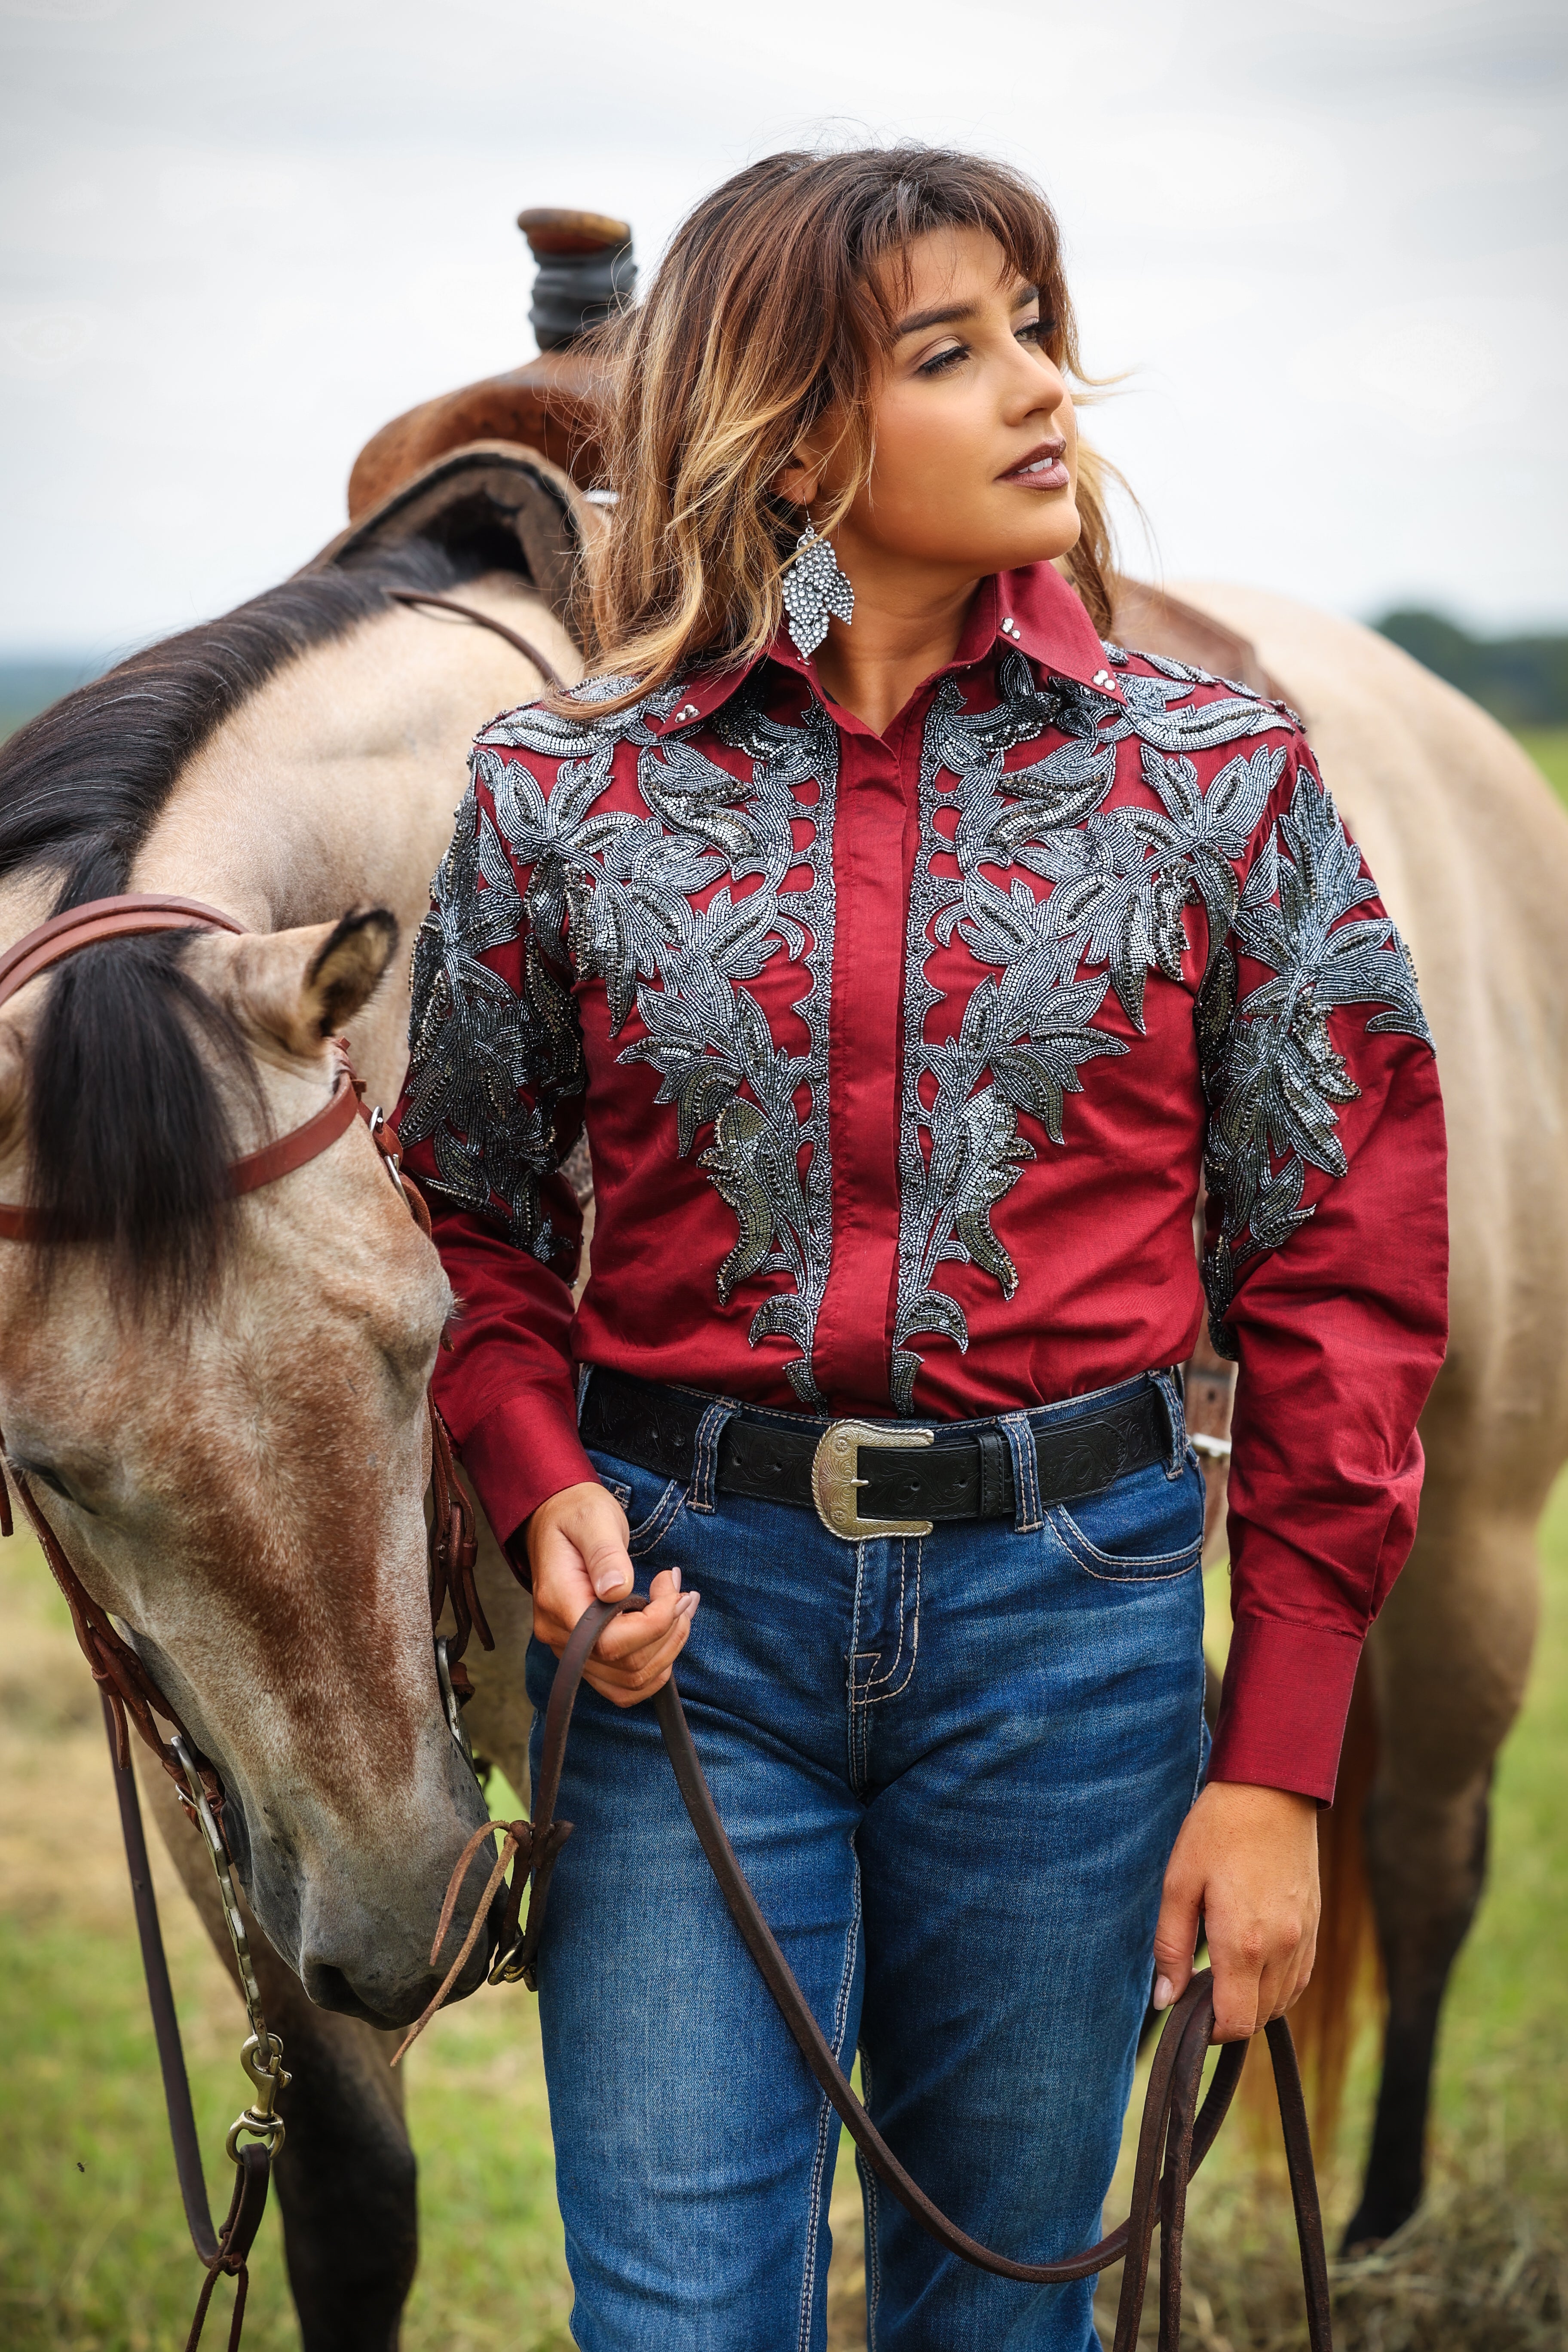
x,y
975,463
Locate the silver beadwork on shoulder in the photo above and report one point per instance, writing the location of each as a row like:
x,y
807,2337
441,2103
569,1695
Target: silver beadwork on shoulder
x,y
1121,881
1274,1078
813,587
608,896
487,1073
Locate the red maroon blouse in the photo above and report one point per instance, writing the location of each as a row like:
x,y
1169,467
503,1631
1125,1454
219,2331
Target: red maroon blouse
x,y
901,1057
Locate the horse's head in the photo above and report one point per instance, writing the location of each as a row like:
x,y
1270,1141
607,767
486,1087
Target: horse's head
x,y
220,1407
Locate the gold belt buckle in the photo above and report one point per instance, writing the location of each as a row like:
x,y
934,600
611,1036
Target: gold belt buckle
x,y
834,1477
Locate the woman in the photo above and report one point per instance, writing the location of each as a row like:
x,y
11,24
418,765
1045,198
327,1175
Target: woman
x,y
906,949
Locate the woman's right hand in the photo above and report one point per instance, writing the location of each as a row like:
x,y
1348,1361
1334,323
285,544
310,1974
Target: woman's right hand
x,y
577,1554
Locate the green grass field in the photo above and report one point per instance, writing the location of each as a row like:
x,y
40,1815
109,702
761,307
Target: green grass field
x,y
93,2248
1548,747
93,2256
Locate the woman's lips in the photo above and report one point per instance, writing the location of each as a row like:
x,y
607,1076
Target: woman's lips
x,y
1042,469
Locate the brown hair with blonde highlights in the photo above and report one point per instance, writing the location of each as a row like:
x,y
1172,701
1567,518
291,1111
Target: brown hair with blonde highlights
x,y
774,304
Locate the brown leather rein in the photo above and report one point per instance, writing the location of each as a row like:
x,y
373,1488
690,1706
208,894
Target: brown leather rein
x,y
1176,2132
132,1699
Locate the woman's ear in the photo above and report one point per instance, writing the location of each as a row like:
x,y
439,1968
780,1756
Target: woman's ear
x,y
797,482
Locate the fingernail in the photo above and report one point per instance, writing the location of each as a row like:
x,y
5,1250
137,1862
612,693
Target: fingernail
x,y
608,1585
675,1580
689,1605
1164,1992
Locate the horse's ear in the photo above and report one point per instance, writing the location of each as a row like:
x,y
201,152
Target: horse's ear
x,y
302,987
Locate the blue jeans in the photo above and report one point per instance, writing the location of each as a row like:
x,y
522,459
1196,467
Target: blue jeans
x,y
954,1768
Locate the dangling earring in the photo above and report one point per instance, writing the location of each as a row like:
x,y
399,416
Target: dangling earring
x,y
813,586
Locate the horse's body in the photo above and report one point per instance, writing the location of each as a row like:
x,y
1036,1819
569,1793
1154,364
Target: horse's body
x,y
1470,853
332,785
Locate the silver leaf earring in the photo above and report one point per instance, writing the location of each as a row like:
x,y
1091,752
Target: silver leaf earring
x,y
813,586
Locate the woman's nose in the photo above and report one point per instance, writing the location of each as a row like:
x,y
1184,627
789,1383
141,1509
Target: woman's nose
x,y
1036,386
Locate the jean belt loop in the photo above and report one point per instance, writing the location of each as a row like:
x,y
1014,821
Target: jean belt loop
x,y
705,1455
584,1374
1019,1430
1170,1387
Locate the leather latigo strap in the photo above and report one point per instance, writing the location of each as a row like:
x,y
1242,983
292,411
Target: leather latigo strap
x,y
964,1474
1176,2134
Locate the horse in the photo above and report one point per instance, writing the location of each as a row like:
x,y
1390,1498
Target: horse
x,y
228,1434
244,1432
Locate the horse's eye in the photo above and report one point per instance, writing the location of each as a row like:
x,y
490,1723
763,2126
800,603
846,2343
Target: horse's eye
x,y
41,1472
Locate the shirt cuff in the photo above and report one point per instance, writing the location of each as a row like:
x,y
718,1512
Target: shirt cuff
x,y
1283,1711
523,1452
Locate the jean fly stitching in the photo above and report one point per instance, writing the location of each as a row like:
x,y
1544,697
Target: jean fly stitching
x,y
906,1617
855,1727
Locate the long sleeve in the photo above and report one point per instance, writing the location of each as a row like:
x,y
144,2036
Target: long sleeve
x,y
1326,1275
492,1103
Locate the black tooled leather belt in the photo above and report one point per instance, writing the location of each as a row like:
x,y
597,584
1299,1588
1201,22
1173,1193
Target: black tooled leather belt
x,y
871,1479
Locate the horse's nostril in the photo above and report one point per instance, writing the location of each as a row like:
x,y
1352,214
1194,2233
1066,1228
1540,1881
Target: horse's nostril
x,y
330,1989
386,2004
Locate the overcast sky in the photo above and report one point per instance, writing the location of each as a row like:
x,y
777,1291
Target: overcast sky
x,y
1326,238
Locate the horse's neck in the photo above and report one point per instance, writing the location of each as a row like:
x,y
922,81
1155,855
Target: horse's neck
x,y
334,786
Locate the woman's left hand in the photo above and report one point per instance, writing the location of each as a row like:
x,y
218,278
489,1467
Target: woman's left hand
x,y
1246,1864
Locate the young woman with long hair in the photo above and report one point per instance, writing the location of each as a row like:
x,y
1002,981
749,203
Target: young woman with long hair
x,y
909,953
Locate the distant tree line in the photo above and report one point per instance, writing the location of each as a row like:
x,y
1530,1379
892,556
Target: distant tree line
x,y
28,686
1523,681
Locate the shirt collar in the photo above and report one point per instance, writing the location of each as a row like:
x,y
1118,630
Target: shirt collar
x,y
1031,611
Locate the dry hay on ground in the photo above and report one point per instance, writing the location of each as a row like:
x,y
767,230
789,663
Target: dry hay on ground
x,y
1475,2271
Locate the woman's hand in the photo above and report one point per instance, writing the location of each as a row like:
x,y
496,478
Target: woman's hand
x,y
1246,1861
577,1553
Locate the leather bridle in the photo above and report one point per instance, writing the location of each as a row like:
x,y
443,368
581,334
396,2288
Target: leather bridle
x,y
133,1700
1176,2134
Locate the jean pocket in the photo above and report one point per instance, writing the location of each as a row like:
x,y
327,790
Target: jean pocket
x,y
1146,1528
652,1505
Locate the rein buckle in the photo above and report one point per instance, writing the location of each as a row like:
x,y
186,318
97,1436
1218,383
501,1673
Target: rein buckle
x,y
835,1478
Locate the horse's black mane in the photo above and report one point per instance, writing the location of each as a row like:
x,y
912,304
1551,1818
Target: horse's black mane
x,y
129,1140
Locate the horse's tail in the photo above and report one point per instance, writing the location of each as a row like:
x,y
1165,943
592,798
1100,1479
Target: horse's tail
x,y
1329,2015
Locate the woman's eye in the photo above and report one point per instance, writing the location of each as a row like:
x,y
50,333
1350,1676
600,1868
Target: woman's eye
x,y
941,361
1034,332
